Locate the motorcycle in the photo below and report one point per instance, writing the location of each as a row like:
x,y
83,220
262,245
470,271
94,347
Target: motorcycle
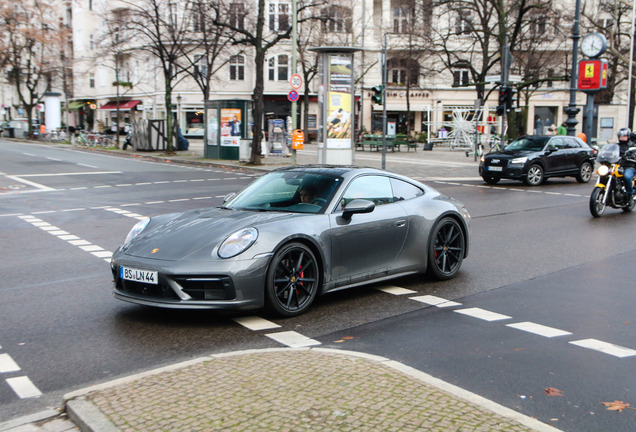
x,y
610,186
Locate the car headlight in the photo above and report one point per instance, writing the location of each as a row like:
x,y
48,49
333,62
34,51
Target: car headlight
x,y
519,160
603,170
138,228
238,242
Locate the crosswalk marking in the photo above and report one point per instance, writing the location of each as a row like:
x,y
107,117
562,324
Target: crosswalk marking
x,y
7,364
396,290
292,339
539,329
256,323
435,301
483,314
23,387
604,347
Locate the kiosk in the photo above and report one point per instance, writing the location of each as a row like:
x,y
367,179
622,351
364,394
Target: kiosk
x,y
227,123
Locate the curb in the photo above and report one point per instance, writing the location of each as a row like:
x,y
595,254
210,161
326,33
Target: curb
x,y
87,416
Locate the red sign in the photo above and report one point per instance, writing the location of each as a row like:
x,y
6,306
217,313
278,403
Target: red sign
x,y
592,75
292,96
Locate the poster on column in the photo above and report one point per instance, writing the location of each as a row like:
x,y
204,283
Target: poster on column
x,y
339,102
230,127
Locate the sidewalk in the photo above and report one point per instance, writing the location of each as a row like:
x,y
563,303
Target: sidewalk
x,y
287,389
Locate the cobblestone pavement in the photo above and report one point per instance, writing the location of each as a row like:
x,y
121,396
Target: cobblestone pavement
x,y
311,389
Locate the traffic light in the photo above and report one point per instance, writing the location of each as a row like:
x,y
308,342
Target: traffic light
x,y
511,98
377,94
501,108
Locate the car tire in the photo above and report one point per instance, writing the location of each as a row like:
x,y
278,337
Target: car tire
x,y
293,279
597,208
585,172
490,180
535,175
446,249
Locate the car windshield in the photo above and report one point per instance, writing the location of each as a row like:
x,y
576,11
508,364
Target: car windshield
x,y
288,191
527,144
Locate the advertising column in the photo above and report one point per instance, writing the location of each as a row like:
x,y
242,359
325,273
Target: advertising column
x,y
336,97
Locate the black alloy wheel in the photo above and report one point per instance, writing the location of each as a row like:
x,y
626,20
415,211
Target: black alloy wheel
x,y
535,175
585,172
446,249
292,280
597,207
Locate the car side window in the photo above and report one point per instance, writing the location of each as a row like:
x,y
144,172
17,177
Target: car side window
x,y
571,143
404,191
373,188
557,143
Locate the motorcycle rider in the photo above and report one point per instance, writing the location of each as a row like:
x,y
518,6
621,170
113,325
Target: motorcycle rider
x,y
624,144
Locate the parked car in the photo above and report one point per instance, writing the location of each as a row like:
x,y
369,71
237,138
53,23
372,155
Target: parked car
x,y
292,234
535,158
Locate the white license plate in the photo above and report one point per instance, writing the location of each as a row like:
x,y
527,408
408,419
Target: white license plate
x,y
495,168
137,275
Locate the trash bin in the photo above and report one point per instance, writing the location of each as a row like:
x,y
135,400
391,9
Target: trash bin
x,y
428,146
11,132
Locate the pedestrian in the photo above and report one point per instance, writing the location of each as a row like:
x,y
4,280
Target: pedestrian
x,y
582,136
562,130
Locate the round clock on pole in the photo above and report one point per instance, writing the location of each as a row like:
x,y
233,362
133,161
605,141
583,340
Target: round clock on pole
x,y
593,45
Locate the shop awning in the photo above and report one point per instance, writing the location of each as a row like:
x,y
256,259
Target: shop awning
x,y
123,105
74,105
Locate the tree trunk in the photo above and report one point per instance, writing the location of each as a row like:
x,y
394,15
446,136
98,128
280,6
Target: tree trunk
x,y
259,107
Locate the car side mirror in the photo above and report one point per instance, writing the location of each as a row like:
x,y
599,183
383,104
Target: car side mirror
x,y
550,149
229,197
358,206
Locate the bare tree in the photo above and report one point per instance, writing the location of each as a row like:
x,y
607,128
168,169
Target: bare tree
x,y
29,27
162,28
260,30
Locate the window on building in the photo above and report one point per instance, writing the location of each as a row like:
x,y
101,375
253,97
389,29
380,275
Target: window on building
x,y
278,67
607,23
279,16
198,20
90,4
402,71
403,12
549,76
237,14
91,42
464,22
91,80
538,25
237,68
337,19
200,65
461,77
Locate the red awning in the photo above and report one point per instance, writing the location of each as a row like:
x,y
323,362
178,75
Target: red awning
x,y
123,105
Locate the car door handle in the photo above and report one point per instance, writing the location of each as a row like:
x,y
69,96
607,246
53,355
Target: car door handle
x,y
399,223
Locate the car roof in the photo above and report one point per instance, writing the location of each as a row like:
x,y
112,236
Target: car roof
x,y
334,170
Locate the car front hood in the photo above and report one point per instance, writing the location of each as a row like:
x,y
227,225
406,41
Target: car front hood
x,y
194,234
509,154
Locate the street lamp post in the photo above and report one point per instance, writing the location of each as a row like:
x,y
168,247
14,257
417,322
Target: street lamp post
x,y
384,130
572,110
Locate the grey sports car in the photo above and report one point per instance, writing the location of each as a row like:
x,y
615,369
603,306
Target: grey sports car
x,y
290,235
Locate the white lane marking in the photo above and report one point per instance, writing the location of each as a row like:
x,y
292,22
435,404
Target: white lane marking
x,y
396,290
201,198
43,212
74,209
102,186
604,347
292,339
179,200
7,364
87,165
70,174
483,314
38,186
435,301
74,240
54,159
539,329
256,323
23,387
126,213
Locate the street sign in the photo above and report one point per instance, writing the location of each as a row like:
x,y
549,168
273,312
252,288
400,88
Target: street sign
x,y
492,78
292,96
296,81
592,75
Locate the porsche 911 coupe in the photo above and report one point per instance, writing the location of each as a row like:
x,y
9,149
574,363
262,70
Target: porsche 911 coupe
x,y
289,236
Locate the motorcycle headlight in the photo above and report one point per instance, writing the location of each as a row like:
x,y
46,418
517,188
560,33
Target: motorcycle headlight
x,y
603,170
238,243
519,160
138,228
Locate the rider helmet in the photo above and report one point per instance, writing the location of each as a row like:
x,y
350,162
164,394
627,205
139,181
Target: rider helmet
x,y
623,132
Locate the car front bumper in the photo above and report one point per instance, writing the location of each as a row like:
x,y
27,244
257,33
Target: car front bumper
x,y
221,285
